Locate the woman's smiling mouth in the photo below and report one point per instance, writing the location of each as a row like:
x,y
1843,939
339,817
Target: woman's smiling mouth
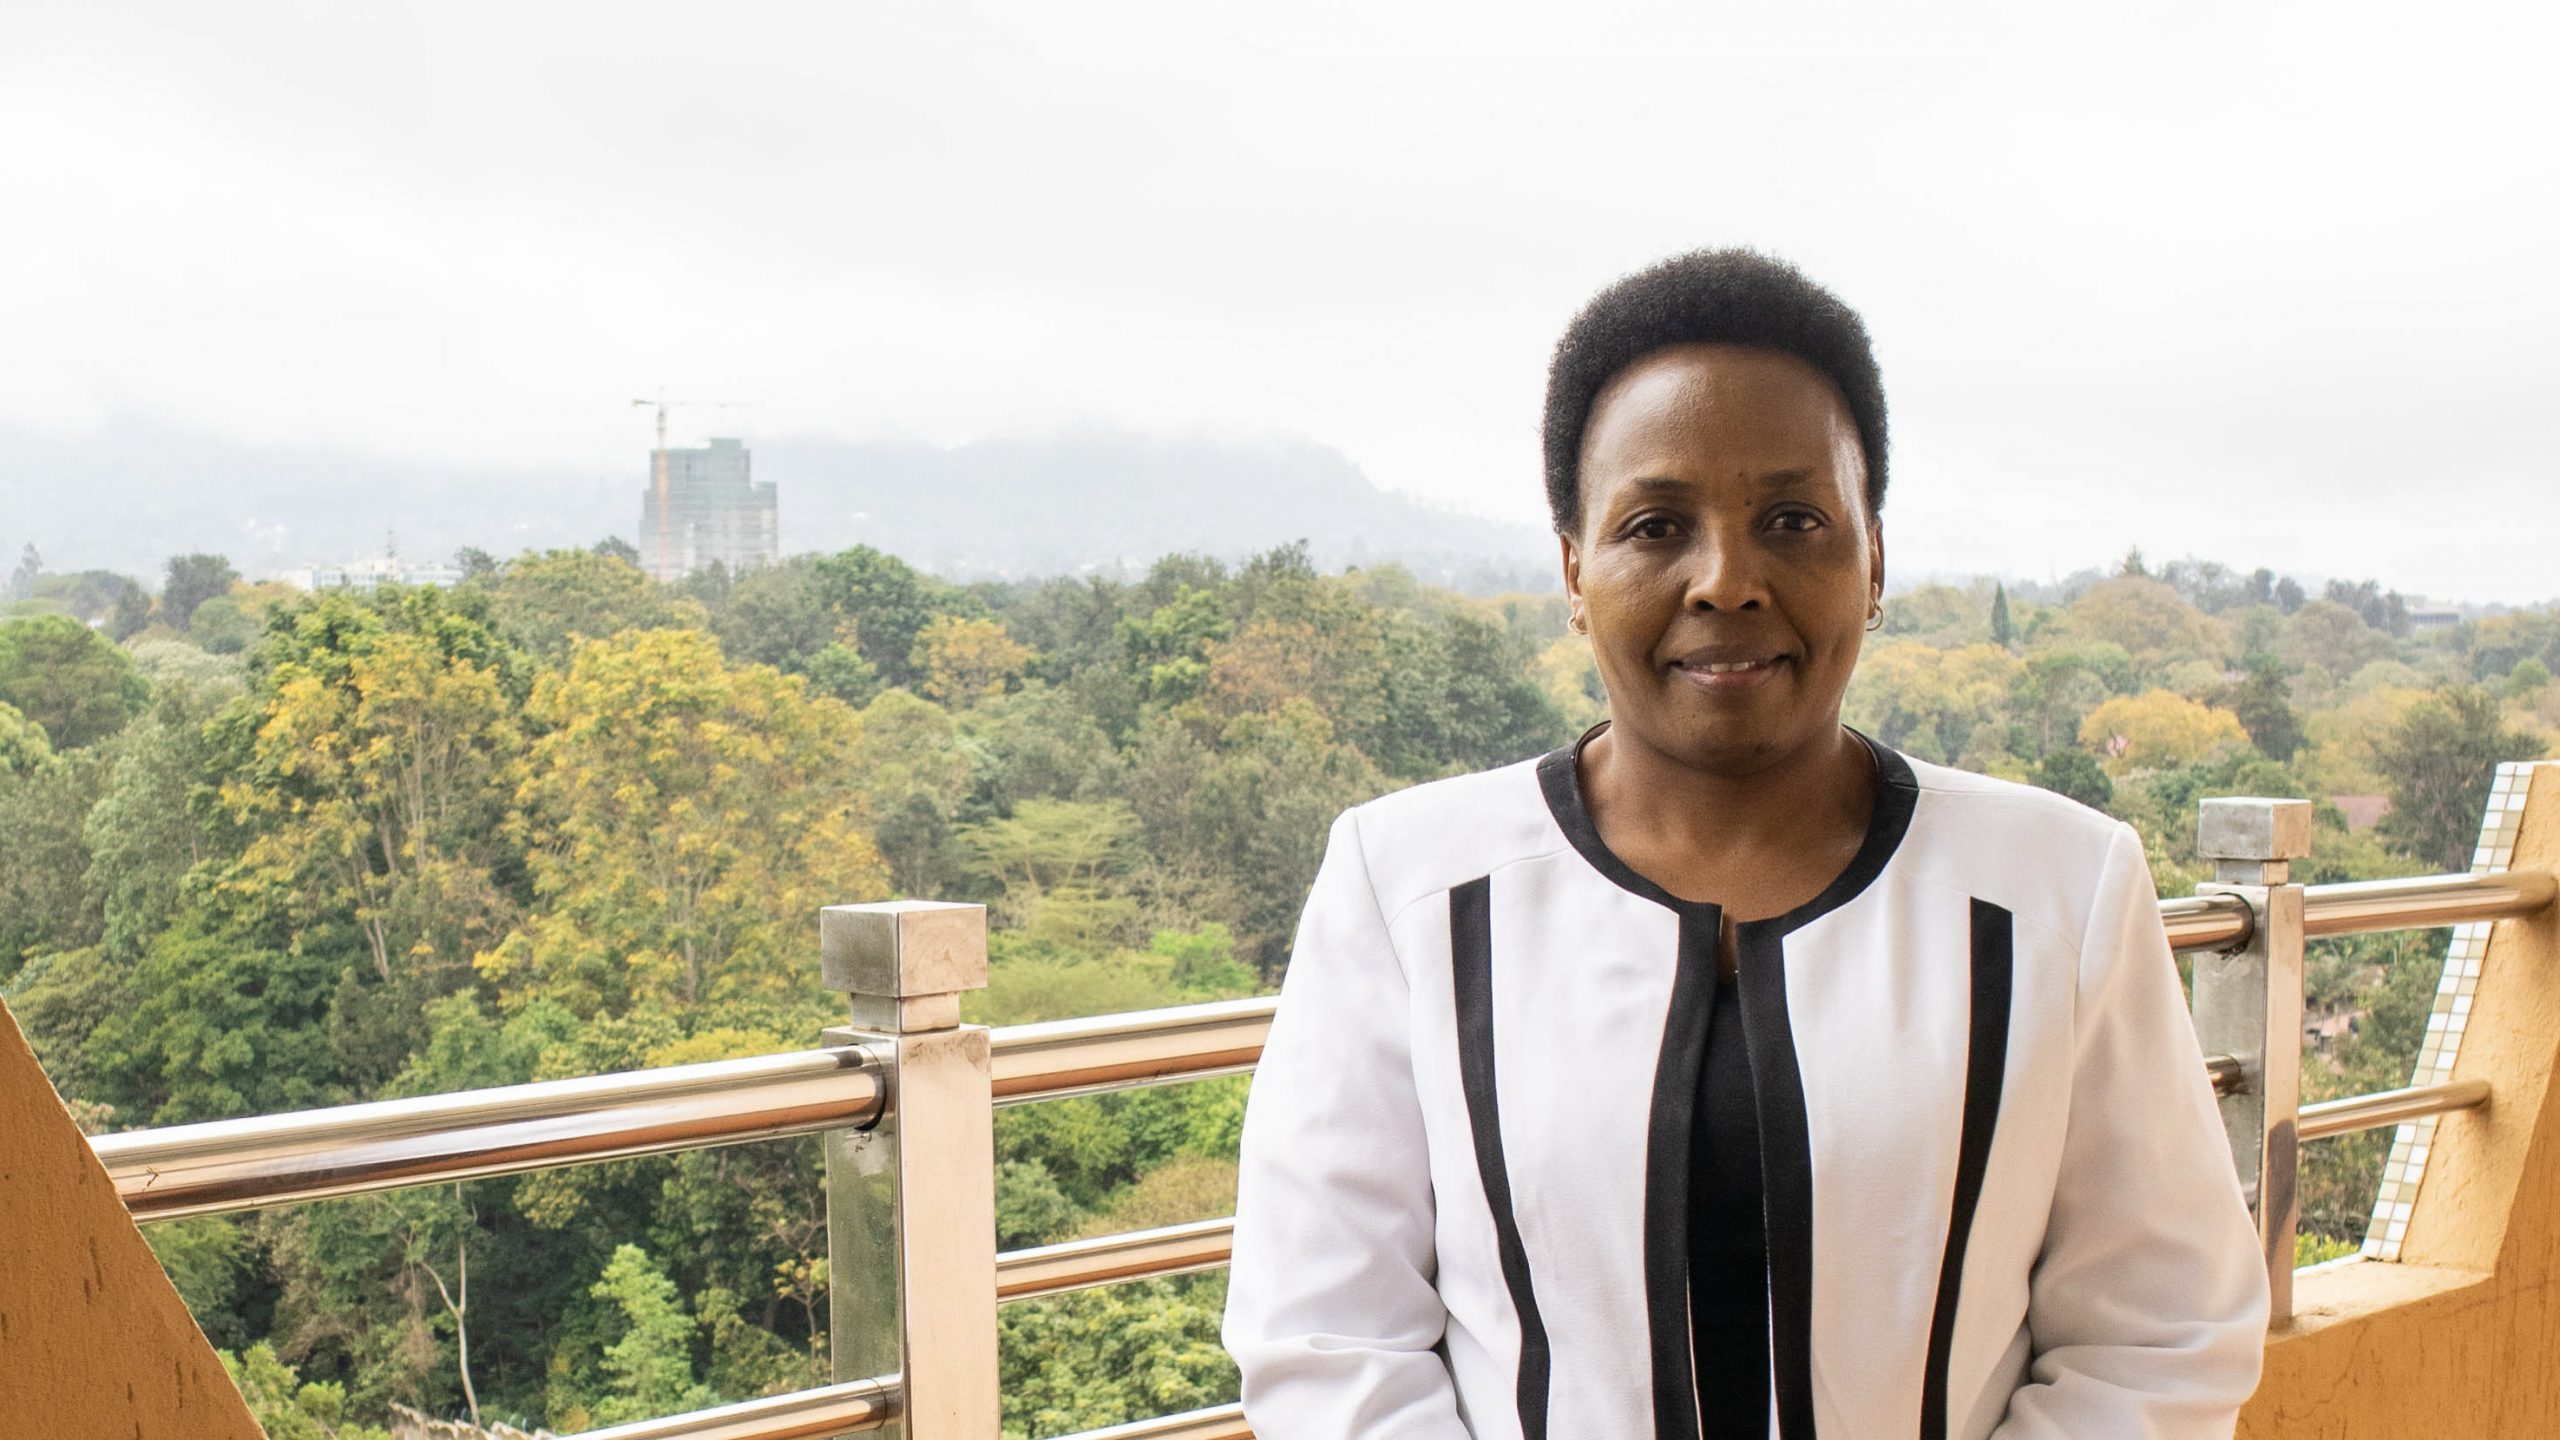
x,y
1722,675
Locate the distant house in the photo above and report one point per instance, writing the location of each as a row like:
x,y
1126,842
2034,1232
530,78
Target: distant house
x,y
2362,811
368,575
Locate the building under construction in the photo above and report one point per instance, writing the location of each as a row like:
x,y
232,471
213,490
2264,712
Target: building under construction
x,y
702,508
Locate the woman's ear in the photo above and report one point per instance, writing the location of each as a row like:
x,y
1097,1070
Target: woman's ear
x,y
1875,561
1571,558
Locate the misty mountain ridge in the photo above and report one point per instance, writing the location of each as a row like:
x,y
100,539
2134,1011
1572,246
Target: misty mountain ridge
x,y
127,495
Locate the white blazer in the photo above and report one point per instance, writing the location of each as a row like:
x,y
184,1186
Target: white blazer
x,y
1999,1199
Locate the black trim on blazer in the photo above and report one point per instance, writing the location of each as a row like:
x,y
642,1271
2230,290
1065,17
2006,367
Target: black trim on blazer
x,y
1666,1176
1786,1170
1786,1142
1471,961
1986,1060
1897,795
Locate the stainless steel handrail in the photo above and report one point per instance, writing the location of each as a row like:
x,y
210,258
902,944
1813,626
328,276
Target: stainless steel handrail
x,y
2206,922
2422,901
855,1405
243,1164
1120,1052
2388,1107
1108,1259
275,1159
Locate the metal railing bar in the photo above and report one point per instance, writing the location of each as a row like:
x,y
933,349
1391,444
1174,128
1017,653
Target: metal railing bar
x,y
2423,901
1110,1259
2389,1107
278,1159
1218,1422
855,1405
244,1164
1121,1052
2207,922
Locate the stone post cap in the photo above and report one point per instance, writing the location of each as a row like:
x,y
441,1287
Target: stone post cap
x,y
903,949
2254,829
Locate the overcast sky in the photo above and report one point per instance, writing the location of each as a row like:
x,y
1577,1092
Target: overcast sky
x,y
2263,283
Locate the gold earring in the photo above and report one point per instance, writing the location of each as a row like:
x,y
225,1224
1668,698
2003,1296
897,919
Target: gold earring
x,y
1875,619
1575,623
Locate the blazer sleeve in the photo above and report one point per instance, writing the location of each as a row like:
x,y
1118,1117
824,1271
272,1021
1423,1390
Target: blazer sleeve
x,y
1331,1314
2147,1310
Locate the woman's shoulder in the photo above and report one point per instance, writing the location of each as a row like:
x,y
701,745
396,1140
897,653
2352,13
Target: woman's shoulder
x,y
2044,856
1986,800
1425,838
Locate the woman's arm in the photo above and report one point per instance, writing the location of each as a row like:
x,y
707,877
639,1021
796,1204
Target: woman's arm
x,y
2148,1308
1331,1311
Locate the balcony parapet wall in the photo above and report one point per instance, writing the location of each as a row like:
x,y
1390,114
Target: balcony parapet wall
x,y
94,1341
2456,1338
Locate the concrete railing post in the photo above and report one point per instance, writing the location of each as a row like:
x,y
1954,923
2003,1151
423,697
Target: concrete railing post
x,y
911,1224
2248,1005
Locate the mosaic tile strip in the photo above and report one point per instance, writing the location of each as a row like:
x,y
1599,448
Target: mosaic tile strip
x,y
2410,1144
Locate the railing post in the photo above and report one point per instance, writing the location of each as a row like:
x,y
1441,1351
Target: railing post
x,y
911,1225
2248,1005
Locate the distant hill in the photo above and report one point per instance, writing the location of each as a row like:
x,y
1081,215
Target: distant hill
x,y
128,495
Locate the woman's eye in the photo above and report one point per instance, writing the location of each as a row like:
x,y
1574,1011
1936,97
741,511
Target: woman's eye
x,y
1652,527
1795,520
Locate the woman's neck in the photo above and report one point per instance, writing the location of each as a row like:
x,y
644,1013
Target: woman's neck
x,y
1760,842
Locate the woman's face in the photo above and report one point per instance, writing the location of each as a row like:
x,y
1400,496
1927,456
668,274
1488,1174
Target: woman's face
x,y
1725,564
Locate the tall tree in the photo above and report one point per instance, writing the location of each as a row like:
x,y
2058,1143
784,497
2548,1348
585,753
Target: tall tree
x,y
2439,760
192,580
2003,634
22,580
372,780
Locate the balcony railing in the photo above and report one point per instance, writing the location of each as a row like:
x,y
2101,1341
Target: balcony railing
x,y
904,1099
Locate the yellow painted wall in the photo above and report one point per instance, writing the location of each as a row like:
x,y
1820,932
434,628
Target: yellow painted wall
x,y
94,1341
2461,1340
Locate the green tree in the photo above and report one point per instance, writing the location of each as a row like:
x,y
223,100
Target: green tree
x,y
193,580
2149,619
2439,760
369,771
685,821
67,678
545,603
651,1365
2076,773
149,830
2261,702
23,746
45,903
2332,637
2003,634
289,1407
964,661
889,602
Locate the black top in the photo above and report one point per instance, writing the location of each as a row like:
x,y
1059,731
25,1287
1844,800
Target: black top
x,y
1728,1245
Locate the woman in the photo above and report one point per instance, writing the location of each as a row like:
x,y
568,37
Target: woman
x,y
1727,1073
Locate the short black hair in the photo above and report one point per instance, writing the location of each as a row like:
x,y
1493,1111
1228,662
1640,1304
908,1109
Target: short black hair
x,y
1726,297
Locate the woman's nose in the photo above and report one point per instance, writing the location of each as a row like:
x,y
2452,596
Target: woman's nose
x,y
1725,573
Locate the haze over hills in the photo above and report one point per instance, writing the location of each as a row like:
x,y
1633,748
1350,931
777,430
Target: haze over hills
x,y
130,493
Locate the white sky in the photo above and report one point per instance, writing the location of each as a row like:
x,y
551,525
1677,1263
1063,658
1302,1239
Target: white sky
x,y
2266,283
